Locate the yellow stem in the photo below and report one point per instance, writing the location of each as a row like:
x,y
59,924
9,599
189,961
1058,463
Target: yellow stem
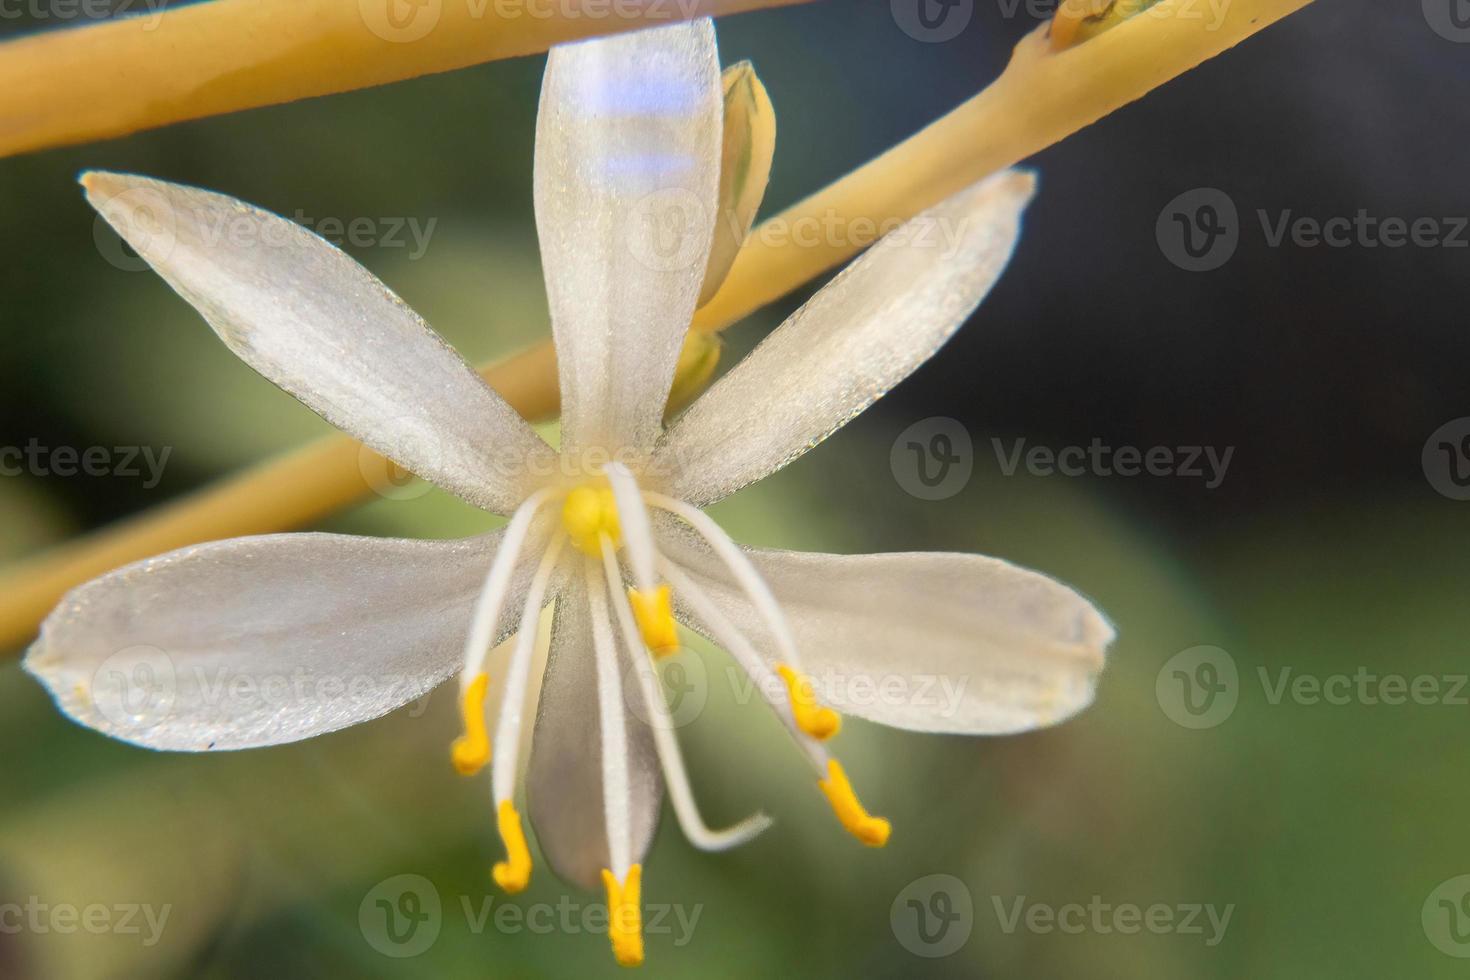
x,y
1041,98
202,59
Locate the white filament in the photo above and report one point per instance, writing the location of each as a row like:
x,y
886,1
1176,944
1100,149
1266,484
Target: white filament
x,y
754,665
615,783
512,706
633,522
497,584
671,760
739,565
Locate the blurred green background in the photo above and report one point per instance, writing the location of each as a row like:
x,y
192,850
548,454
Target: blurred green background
x,y
1332,833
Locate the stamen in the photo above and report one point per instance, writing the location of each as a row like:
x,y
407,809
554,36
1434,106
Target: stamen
x,y
681,795
818,722
652,604
471,750
514,873
625,915
633,517
589,513
754,665
655,615
872,831
497,584
615,782
517,677
739,565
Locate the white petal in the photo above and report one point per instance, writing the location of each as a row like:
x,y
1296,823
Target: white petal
x,y
264,640
317,324
564,782
626,182
932,642
864,332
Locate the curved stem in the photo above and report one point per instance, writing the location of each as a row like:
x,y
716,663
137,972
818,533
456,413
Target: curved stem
x,y
1042,97
159,67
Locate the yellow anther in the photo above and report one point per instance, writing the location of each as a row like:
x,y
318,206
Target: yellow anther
x,y
872,831
655,615
590,512
625,916
471,750
818,722
514,873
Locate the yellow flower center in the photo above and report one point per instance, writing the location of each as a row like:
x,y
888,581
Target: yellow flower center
x,y
589,512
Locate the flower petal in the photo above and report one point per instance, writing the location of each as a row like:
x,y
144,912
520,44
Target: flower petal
x,y
933,642
263,640
564,782
317,324
627,173
864,332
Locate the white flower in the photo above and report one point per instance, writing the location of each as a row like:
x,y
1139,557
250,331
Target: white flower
x,y
629,134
